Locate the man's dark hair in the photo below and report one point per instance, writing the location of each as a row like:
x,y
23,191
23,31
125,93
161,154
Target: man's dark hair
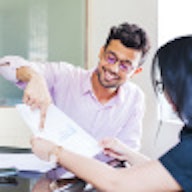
x,y
130,36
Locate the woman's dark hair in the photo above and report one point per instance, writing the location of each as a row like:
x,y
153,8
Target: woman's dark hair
x,y
173,64
130,36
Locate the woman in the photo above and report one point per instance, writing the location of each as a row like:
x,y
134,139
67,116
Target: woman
x,y
172,65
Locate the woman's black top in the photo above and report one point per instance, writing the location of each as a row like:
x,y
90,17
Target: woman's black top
x,y
178,160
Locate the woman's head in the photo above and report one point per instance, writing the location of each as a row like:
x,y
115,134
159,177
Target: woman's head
x,y
172,68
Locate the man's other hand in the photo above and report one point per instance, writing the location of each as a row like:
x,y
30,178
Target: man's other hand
x,y
37,96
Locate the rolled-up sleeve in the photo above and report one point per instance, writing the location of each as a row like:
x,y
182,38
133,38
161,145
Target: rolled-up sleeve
x,y
9,65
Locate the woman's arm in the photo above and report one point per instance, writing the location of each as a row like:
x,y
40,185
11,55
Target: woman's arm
x,y
148,177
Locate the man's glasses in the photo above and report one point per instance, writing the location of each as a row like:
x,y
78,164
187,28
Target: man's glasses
x,y
124,65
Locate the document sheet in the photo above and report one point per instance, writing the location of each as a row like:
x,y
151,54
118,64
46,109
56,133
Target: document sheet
x,y
60,129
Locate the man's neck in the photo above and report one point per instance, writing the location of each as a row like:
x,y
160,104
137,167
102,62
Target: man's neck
x,y
103,94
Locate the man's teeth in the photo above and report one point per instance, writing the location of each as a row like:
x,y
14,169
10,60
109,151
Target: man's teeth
x,y
109,76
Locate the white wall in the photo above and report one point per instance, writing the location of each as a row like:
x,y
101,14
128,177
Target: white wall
x,y
13,131
174,19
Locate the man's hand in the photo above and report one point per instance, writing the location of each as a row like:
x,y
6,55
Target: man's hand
x,y
37,96
36,93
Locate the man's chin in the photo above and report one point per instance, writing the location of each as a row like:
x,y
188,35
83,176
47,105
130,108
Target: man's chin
x,y
109,85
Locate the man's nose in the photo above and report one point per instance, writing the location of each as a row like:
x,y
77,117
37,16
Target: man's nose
x,y
115,67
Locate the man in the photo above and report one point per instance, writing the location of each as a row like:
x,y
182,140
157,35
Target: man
x,y
101,100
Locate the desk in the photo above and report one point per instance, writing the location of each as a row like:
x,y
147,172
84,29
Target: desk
x,y
42,184
16,184
36,182
25,181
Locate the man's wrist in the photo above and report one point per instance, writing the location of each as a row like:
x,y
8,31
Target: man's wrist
x,y
25,74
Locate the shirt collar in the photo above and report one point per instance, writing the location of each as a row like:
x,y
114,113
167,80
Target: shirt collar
x,y
87,84
121,94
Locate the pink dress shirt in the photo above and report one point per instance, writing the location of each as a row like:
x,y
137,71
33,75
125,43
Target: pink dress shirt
x,y
71,91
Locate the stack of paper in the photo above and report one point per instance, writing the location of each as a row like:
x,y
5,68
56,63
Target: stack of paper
x,y
61,130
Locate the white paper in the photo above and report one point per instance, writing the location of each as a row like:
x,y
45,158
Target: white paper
x,y
60,129
24,162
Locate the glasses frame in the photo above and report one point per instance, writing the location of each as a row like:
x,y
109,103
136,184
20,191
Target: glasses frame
x,y
124,65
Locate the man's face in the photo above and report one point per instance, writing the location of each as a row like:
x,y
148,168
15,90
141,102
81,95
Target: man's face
x,y
117,63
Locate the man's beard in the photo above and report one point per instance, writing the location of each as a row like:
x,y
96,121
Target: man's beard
x,y
106,85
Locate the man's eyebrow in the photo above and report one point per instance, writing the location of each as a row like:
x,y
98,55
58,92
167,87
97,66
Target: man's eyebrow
x,y
113,53
128,62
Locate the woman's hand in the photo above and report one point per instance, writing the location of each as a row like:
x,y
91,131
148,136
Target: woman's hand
x,y
114,148
42,148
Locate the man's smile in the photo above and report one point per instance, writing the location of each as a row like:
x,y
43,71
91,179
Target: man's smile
x,y
109,76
